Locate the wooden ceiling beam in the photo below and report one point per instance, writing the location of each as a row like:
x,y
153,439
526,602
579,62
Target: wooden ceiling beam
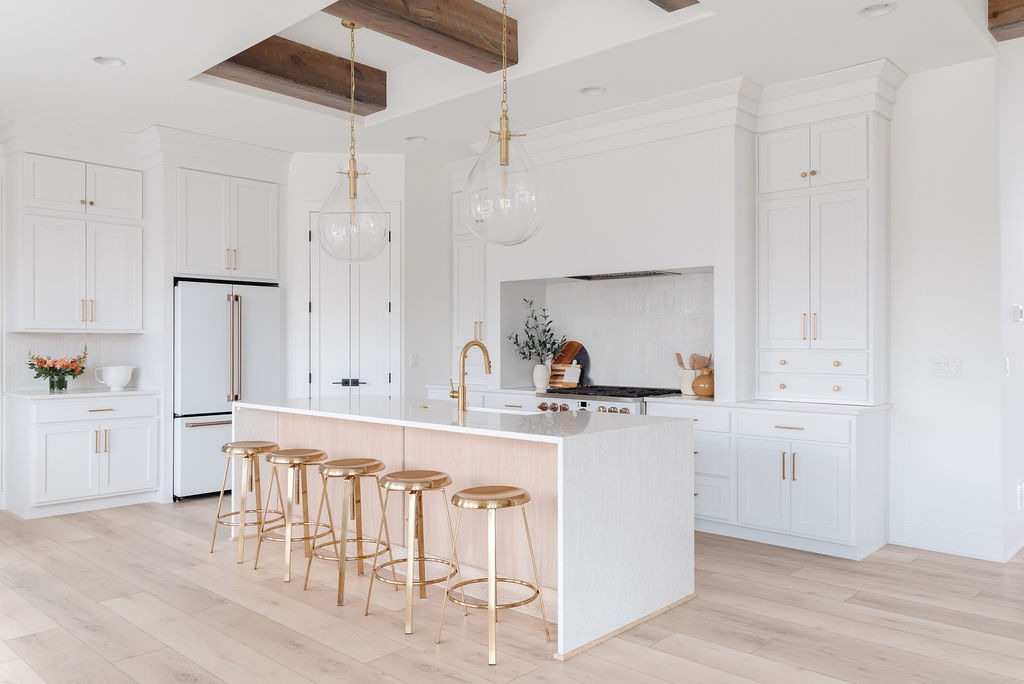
x,y
1006,19
289,68
461,30
673,5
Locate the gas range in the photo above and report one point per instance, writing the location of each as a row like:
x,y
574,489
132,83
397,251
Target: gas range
x,y
601,398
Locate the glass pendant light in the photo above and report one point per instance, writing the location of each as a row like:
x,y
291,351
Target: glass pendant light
x,y
353,225
502,194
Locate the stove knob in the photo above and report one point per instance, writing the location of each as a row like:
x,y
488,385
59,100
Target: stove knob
x,y
553,407
612,409
601,409
543,406
564,407
624,410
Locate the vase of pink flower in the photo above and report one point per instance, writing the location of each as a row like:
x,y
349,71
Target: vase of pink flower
x,y
57,371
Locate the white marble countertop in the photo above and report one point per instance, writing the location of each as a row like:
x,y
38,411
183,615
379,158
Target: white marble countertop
x,y
444,415
84,393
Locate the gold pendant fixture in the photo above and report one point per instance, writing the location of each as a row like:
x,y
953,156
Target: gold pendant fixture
x,y
502,195
353,225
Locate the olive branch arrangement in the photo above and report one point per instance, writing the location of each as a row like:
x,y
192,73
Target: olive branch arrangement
x,y
538,341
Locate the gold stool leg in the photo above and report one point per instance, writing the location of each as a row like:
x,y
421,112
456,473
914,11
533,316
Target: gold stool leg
x,y
387,532
492,589
289,515
421,552
342,542
220,500
357,515
536,576
275,485
380,530
308,541
412,508
243,504
451,559
319,515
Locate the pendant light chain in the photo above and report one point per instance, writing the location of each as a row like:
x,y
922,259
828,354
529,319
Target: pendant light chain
x,y
504,56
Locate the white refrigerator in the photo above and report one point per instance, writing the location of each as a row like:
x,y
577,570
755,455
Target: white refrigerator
x,y
227,347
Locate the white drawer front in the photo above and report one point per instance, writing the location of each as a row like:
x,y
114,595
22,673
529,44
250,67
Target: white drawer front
x,y
796,426
822,388
97,408
705,418
713,455
814,362
714,498
511,401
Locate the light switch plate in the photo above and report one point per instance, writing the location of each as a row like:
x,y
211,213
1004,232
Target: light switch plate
x,y
946,367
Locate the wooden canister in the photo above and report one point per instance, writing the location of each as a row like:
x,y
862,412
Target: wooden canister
x,y
704,384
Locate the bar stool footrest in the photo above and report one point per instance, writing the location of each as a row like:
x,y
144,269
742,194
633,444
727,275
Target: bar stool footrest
x,y
476,603
382,548
452,571
221,519
272,534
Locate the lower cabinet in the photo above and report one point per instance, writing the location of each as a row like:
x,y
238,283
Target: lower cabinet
x,y
798,487
72,453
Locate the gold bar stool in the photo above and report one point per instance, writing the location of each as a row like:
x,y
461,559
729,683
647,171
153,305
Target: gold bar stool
x,y
296,461
413,483
249,452
350,471
491,498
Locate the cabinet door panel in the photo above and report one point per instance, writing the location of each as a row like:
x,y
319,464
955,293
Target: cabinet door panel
x,y
839,151
128,455
763,489
66,466
820,489
203,223
712,454
113,192
53,183
783,266
114,258
714,498
254,228
781,157
52,291
839,268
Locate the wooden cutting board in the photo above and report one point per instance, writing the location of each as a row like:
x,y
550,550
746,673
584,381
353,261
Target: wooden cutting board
x,y
558,376
568,353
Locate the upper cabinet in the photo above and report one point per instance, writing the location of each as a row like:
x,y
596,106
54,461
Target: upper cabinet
x,y
815,155
227,227
56,184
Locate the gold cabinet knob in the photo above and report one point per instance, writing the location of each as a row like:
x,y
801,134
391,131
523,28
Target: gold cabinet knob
x,y
835,388
782,385
836,364
81,201
782,362
803,174
91,203
813,172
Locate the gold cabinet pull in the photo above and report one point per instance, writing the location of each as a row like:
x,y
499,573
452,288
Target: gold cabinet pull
x,y
231,343
836,364
793,457
814,172
227,259
91,203
96,441
102,410
803,326
782,385
211,423
814,326
81,201
803,174
106,440
835,388
783,465
519,406
81,310
92,310
782,362
234,253
787,427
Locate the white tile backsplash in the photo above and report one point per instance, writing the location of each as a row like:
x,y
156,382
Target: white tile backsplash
x,y
104,350
632,328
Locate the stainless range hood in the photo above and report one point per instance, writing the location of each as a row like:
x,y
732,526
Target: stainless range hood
x,y
625,274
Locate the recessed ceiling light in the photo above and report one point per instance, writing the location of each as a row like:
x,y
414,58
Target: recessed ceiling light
x,y
593,90
107,61
416,138
878,10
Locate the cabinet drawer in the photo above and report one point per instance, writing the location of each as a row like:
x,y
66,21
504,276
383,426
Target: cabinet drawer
x,y
704,418
712,454
837,389
512,401
819,363
713,498
796,426
98,408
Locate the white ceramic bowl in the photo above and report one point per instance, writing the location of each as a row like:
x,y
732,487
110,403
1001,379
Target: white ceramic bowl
x,y
115,377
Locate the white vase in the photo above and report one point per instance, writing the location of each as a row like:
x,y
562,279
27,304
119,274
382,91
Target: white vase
x,y
541,375
686,380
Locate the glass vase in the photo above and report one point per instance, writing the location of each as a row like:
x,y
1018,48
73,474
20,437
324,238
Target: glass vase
x,y
58,384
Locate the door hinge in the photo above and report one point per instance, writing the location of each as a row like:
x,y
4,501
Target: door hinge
x,y
310,379
389,307
389,236
310,236
311,307
389,378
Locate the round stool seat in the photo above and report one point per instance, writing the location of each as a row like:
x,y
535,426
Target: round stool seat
x,y
415,480
295,456
492,496
248,448
351,467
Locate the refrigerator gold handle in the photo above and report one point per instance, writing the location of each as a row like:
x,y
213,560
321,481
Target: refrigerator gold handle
x,y
231,346
238,389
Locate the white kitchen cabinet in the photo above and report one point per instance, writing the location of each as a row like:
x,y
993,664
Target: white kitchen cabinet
x,y
227,227
70,453
811,156
56,184
78,275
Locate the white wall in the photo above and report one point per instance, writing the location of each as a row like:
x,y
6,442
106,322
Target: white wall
x,y
310,179
1011,205
946,453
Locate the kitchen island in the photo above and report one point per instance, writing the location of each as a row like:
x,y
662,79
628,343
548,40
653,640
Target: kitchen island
x,y
612,506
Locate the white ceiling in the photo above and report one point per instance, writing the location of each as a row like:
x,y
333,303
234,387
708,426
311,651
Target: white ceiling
x,y
631,47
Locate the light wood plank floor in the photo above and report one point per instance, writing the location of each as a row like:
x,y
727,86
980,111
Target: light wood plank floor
x,y
132,594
